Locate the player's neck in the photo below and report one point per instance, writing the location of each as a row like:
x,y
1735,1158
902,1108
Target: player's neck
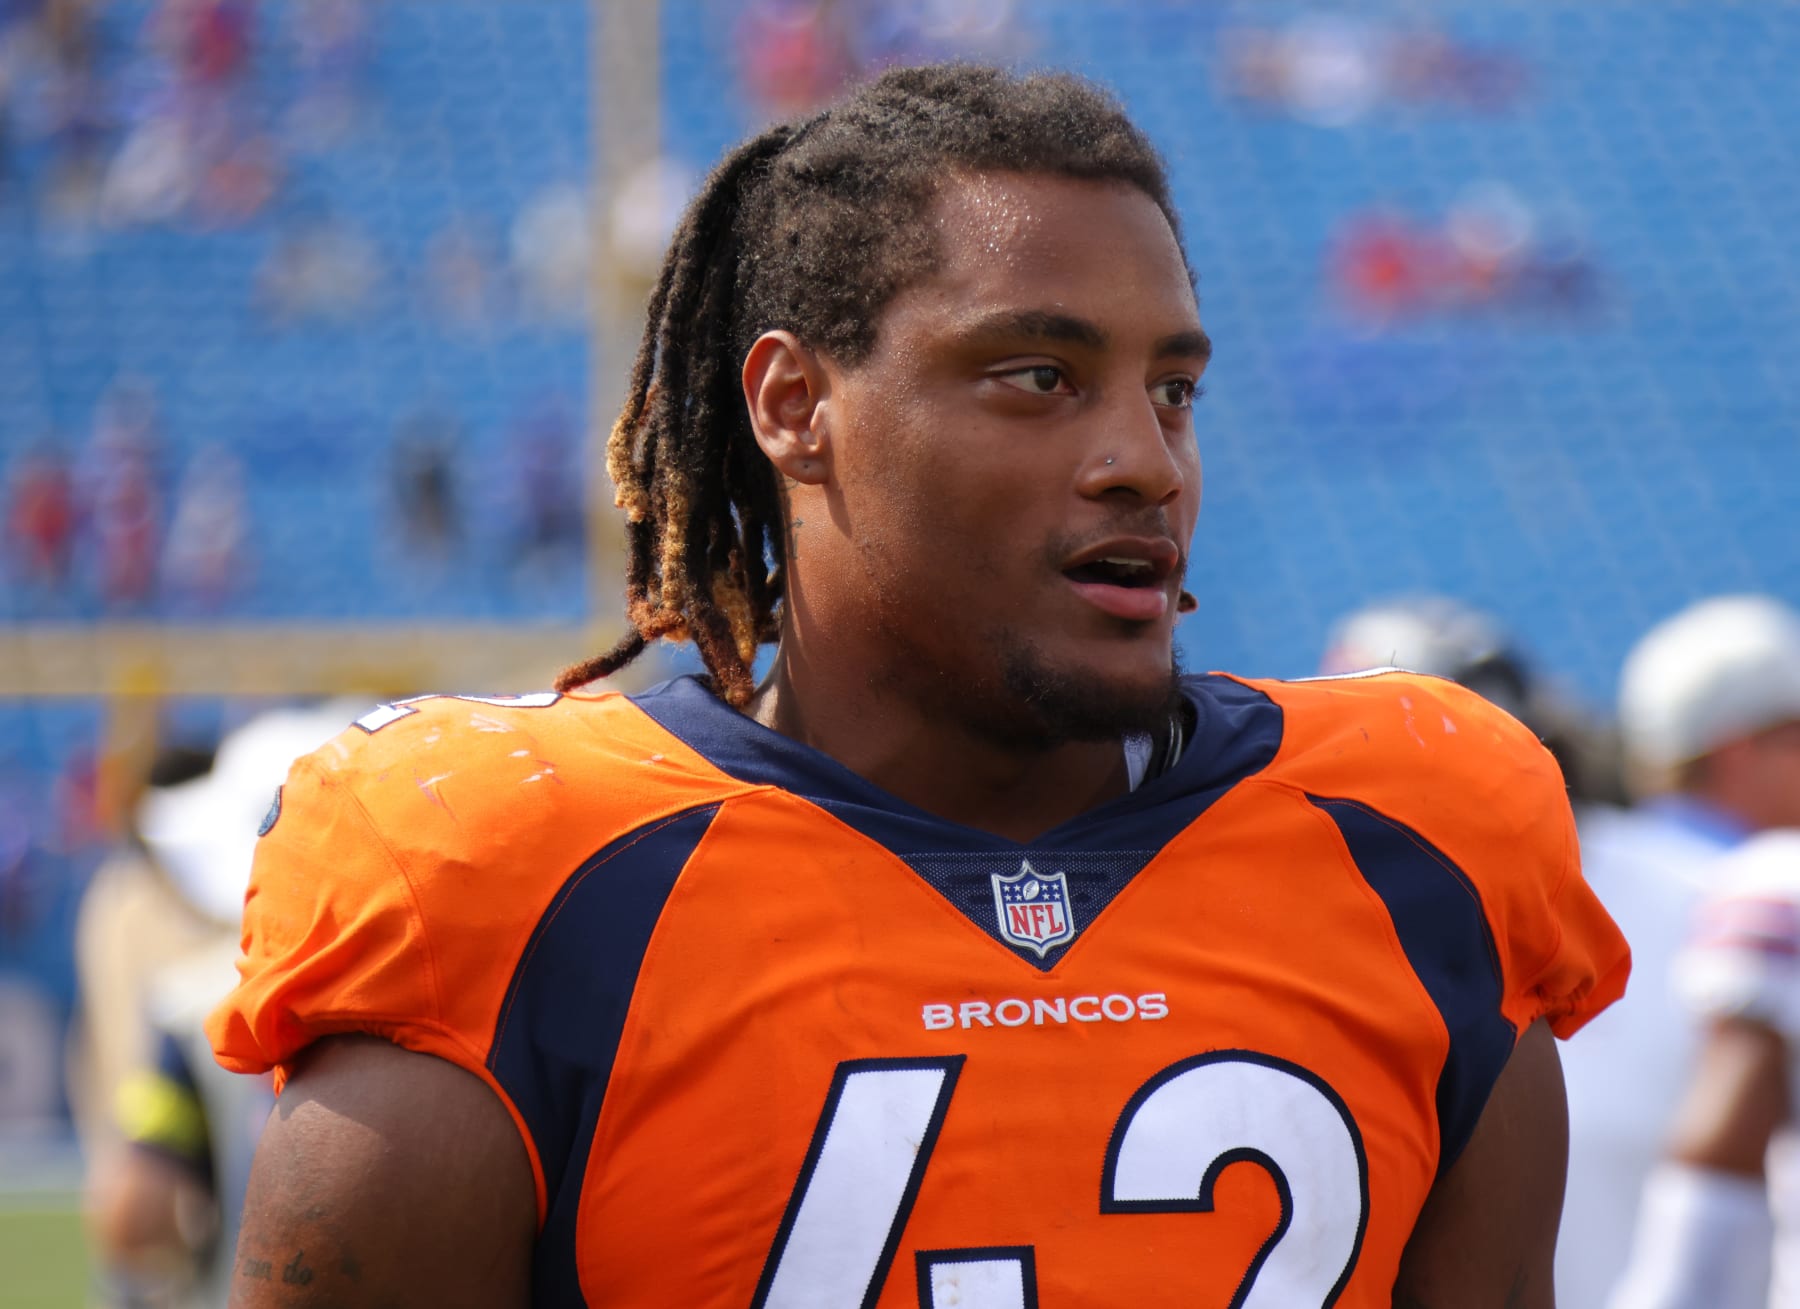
x,y
934,764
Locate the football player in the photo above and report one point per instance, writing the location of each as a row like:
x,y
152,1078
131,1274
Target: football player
x,y
1723,1209
973,956
1710,709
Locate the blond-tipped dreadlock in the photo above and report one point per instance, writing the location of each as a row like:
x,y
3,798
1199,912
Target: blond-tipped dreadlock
x,y
809,228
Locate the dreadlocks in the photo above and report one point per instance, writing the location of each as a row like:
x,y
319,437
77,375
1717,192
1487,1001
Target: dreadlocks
x,y
810,228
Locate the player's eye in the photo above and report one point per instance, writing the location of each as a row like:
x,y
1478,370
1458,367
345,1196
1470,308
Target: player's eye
x,y
1176,393
1039,379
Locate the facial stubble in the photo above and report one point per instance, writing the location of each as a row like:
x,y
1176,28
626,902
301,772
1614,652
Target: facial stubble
x,y
1019,699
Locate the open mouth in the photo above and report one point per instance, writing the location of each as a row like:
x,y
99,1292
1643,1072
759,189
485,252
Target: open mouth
x,y
1127,577
1117,571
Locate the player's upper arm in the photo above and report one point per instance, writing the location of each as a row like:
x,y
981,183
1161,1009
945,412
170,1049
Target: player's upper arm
x,y
1740,974
1703,1233
1487,1234
1736,1100
386,1178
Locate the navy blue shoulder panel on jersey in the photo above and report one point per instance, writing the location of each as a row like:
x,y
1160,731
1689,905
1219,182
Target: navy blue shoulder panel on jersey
x,y
559,1027
1443,928
1236,733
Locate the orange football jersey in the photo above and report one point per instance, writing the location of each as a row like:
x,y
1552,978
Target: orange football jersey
x,y
775,1039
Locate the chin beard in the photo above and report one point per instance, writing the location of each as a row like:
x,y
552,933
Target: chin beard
x,y
1036,706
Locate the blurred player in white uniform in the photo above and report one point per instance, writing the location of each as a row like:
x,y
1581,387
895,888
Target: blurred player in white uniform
x,y
1710,706
1725,1197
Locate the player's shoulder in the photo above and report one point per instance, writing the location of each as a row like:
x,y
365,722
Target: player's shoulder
x,y
1767,864
406,863
1425,753
1430,786
495,763
1393,720
471,731
1754,905
1744,958
442,797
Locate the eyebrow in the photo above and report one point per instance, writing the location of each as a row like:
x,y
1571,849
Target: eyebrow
x,y
1184,345
1043,325
1037,325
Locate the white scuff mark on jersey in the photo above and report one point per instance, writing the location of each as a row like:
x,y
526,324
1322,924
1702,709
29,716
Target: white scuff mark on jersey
x,y
482,723
1412,726
1449,726
435,737
535,777
654,759
519,754
342,750
428,788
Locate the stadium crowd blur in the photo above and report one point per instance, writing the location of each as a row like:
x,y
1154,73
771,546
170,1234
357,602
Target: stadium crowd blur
x,y
209,120
298,293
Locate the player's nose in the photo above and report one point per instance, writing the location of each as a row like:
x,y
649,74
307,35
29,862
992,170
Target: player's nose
x,y
1134,453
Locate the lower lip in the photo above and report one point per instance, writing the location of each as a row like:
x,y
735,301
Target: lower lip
x,y
1140,604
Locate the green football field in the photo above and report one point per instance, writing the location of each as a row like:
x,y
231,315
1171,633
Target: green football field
x,y
43,1259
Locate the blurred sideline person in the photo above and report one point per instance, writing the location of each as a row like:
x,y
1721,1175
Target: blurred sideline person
x,y
1732,746
1717,1227
1710,722
133,919
965,959
165,1195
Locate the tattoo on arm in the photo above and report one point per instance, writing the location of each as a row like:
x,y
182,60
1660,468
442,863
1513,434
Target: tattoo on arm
x,y
296,1273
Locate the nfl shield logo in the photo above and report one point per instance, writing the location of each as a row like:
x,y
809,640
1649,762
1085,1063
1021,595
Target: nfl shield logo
x,y
1033,908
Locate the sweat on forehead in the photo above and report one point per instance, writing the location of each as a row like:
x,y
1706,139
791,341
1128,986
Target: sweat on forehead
x,y
987,212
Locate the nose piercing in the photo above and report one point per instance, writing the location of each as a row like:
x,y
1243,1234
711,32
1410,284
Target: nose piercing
x,y
1109,463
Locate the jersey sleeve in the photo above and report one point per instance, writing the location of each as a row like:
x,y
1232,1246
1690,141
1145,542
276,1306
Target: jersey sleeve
x,y
334,939
408,865
1478,792
1562,957
1568,959
1743,959
403,926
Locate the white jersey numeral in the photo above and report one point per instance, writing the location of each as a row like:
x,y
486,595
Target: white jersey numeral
x,y
978,1279
856,1188
1190,1121
1186,1125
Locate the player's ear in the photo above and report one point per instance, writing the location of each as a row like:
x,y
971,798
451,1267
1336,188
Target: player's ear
x,y
787,389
